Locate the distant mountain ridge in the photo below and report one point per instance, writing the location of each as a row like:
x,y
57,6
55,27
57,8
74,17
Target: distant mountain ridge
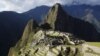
x,y
38,13
89,17
78,12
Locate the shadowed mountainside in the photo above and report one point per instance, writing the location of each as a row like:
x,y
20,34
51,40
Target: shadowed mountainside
x,y
61,21
78,11
11,29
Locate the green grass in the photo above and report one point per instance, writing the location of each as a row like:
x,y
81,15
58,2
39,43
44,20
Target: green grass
x,y
97,44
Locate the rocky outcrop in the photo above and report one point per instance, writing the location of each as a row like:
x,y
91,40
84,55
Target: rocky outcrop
x,y
30,28
59,20
52,43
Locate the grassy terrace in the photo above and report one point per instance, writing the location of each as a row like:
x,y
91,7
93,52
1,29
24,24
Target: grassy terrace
x,y
97,44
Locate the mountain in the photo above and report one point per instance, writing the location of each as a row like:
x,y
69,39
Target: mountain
x,y
89,17
11,29
30,28
83,11
58,35
33,44
50,43
79,12
59,20
12,23
38,13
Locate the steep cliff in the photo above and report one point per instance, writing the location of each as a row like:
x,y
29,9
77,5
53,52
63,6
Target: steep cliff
x,y
59,20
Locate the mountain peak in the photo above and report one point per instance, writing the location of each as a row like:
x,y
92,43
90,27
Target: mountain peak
x,y
59,20
57,5
54,13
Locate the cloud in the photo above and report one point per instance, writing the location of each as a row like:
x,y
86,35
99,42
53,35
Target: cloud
x,y
15,5
25,5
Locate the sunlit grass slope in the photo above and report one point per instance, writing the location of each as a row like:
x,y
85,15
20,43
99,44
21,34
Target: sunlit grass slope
x,y
97,44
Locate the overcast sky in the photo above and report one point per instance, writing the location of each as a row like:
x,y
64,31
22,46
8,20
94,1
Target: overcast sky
x,y
25,5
